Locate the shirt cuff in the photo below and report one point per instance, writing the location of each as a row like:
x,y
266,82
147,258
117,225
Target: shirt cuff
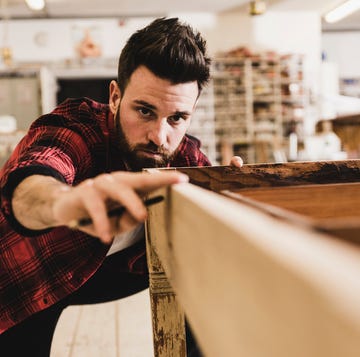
x,y
13,181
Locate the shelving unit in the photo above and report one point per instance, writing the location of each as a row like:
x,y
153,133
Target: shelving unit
x,y
234,124
266,107
203,122
258,102
251,107
266,100
294,97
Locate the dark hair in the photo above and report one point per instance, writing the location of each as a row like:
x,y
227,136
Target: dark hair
x,y
169,49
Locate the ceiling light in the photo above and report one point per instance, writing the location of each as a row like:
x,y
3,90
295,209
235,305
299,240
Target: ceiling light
x,y
257,7
343,10
35,4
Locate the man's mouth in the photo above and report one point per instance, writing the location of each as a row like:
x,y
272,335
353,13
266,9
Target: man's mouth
x,y
150,153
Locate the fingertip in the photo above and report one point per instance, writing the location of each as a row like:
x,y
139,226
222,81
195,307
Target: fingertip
x,y
183,178
237,161
142,215
106,238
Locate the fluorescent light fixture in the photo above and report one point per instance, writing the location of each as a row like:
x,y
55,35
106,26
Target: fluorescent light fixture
x,y
343,10
35,4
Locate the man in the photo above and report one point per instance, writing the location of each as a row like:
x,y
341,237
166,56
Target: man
x,y
75,163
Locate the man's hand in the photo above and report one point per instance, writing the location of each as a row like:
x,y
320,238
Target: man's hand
x,y
41,202
236,161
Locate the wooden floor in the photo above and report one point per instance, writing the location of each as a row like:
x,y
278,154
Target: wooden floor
x,y
116,329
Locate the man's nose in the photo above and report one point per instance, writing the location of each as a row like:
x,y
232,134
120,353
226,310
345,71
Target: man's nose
x,y
158,133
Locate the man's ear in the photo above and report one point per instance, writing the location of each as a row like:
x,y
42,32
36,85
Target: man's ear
x,y
114,96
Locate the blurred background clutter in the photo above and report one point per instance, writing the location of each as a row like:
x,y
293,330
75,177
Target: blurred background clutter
x,y
285,81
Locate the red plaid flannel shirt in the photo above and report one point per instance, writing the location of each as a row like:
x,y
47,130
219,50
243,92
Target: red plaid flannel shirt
x,y
39,268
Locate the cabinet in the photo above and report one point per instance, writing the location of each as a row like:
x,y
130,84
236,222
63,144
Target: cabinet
x,y
20,97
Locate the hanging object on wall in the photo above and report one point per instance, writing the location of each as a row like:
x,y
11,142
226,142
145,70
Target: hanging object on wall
x,y
41,38
88,46
257,7
87,43
7,57
5,50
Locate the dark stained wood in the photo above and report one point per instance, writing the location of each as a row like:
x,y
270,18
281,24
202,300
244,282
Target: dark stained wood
x,y
329,208
243,277
315,201
292,175
218,178
347,229
318,196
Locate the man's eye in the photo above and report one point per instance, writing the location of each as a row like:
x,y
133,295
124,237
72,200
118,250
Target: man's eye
x,y
145,112
176,119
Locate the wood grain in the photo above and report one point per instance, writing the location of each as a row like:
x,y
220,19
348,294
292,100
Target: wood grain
x,y
167,316
219,178
261,274
316,201
253,285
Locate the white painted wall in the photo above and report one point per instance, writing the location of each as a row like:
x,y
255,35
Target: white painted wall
x,y
53,40
343,49
284,32
280,31
291,32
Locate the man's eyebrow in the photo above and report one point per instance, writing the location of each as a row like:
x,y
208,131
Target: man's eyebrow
x,y
145,104
184,113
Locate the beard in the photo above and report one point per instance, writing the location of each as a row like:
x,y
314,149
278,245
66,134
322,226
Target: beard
x,y
133,154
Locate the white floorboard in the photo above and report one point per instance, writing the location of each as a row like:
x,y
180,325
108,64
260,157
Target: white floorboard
x,y
116,329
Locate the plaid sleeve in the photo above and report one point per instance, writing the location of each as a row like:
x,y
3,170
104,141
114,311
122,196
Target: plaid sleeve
x,y
46,150
189,154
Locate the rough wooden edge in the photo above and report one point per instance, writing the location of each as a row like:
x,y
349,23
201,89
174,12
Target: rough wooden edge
x,y
253,286
217,178
168,320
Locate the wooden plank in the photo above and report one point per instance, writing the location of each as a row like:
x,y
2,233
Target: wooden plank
x,y
316,201
219,178
329,208
253,285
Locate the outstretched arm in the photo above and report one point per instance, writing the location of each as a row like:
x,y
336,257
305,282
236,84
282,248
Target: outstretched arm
x,y
41,202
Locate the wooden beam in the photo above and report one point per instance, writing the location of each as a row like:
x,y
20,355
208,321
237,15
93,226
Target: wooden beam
x,y
254,285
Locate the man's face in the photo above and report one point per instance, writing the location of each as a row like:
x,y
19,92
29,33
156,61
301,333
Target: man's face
x,y
151,117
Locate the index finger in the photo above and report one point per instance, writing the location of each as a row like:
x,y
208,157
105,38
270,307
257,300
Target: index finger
x,y
149,181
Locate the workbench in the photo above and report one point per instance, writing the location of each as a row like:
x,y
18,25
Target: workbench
x,y
263,261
